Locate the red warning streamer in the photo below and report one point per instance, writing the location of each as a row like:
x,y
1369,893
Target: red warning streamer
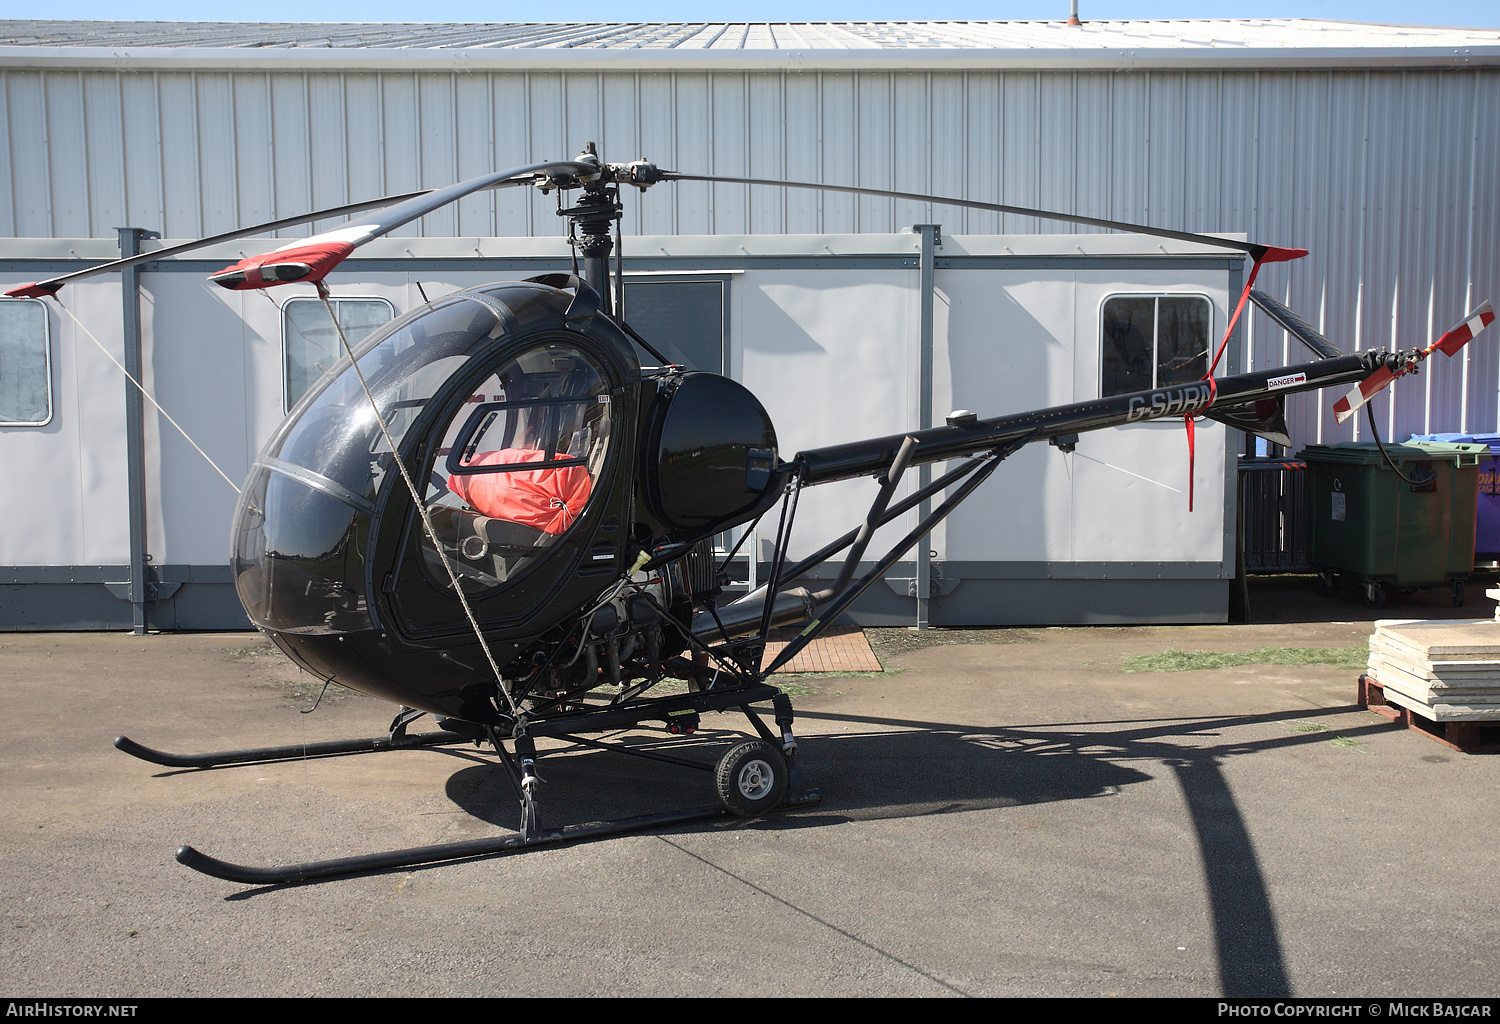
x,y
1272,254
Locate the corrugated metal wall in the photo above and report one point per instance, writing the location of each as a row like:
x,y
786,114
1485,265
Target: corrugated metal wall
x,y
1391,178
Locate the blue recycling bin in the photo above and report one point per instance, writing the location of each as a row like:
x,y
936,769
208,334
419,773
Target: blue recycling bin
x,y
1487,522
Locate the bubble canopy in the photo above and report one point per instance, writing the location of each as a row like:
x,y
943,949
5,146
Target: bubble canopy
x,y
499,399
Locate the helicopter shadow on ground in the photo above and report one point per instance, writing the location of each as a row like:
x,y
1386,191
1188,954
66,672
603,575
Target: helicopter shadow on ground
x,y
876,769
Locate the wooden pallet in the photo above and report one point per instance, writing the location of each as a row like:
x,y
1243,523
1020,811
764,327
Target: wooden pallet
x,y
1464,737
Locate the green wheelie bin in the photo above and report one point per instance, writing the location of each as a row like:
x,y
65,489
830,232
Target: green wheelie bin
x,y
1404,528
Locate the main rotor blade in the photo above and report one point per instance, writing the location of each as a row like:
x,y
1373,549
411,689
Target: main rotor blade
x,y
1453,339
53,285
310,259
1261,253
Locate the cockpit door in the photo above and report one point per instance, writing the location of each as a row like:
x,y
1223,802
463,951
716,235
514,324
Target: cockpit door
x,y
515,489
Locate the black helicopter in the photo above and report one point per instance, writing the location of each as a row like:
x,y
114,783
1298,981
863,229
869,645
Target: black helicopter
x,y
491,513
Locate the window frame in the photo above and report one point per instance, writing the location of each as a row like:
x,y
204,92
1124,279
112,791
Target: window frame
x,y
721,277
1156,297
46,363
334,300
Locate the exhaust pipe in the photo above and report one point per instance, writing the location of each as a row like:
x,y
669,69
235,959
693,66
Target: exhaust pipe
x,y
742,617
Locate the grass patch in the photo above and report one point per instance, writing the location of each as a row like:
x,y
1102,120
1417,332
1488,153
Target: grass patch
x,y
1192,661
1309,727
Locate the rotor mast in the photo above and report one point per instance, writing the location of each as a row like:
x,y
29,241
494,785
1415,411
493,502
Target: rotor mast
x,y
592,222
597,214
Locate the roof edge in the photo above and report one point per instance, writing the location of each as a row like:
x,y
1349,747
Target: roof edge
x,y
491,59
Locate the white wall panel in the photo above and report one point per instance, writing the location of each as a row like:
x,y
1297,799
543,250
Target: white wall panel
x,y
839,153
7,174
768,126
512,134
692,150
874,131
182,197
67,158
293,183
982,153
438,153
104,144
1390,177
218,169
912,140
255,164
28,155
365,141
1018,148
1092,142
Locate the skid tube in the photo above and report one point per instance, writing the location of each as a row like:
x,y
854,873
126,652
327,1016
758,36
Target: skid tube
x,y
396,739
519,770
472,850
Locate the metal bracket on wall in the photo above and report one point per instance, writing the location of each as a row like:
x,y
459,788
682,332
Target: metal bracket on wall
x,y
906,586
155,591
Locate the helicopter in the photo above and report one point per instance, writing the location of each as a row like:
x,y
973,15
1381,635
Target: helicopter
x,y
493,512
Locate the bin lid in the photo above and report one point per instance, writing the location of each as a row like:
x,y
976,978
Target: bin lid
x,y
1444,438
1493,440
1367,453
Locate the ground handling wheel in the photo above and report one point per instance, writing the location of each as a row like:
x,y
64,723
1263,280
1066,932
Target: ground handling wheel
x,y
1456,593
751,778
1374,595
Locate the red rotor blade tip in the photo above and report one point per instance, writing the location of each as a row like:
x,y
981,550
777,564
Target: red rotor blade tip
x,y
308,262
1277,255
33,291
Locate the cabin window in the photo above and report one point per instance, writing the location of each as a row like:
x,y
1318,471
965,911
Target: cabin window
x,y
25,364
685,319
310,345
1151,341
517,465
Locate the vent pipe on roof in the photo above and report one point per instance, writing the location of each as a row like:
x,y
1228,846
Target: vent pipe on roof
x,y
1073,15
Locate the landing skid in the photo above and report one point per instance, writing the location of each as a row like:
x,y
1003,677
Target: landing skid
x,y
257,755
752,778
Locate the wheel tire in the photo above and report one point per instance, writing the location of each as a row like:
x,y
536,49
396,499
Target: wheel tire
x,y
1374,595
1458,593
751,778
1327,583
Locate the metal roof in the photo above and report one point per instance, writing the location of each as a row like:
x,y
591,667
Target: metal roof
x,y
1241,42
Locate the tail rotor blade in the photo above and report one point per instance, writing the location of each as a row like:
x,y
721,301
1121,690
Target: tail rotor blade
x,y
1361,393
1449,344
1464,331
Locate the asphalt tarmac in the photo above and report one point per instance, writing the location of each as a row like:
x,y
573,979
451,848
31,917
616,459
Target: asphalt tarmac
x,y
1013,814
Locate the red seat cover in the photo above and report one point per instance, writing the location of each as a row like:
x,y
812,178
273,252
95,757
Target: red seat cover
x,y
544,499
